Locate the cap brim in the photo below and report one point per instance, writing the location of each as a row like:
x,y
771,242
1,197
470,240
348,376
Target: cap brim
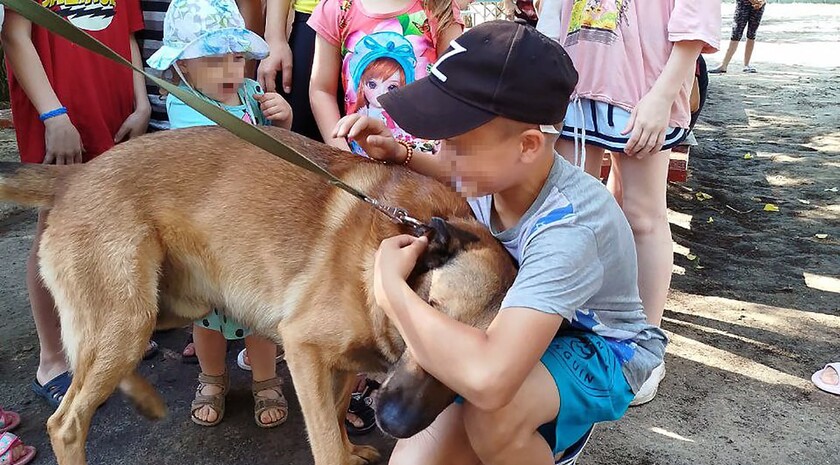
x,y
424,110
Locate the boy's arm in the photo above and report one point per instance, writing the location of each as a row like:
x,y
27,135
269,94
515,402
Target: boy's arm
x,y
486,368
280,56
63,143
137,122
323,91
379,144
559,272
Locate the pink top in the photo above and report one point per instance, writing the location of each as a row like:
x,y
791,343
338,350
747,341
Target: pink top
x,y
620,47
379,52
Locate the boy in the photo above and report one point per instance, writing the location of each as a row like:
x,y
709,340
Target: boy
x,y
69,106
575,304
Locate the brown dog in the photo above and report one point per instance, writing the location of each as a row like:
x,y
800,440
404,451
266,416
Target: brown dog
x,y
160,229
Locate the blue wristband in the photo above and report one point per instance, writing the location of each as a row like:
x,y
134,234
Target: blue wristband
x,y
53,113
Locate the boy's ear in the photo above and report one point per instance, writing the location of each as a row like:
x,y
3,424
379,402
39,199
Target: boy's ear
x,y
445,241
532,142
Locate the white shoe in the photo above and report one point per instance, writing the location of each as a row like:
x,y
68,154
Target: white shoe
x,y
648,390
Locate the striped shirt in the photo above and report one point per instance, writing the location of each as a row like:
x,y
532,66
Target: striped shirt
x,y
151,39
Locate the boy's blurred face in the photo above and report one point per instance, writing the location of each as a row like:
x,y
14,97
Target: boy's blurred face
x,y
490,158
218,77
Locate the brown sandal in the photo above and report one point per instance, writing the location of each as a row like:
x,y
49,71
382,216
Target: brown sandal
x,y
261,404
214,401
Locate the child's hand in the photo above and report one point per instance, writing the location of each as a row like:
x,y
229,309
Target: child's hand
x,y
135,125
371,133
63,142
648,124
275,108
395,259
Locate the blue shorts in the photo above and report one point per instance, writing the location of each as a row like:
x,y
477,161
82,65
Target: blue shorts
x,y
604,123
591,385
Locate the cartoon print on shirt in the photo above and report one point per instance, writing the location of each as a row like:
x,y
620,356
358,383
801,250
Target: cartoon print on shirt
x,y
596,20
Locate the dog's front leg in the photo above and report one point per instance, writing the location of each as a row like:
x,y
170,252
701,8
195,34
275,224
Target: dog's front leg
x,y
313,381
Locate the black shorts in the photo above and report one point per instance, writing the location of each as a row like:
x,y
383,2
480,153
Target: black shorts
x,y
746,17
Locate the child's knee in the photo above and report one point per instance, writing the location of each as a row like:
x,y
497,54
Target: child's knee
x,y
645,217
491,432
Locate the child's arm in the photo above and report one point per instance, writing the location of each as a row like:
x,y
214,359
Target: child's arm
x,y
649,119
280,58
276,109
451,32
137,122
63,143
486,368
379,144
323,91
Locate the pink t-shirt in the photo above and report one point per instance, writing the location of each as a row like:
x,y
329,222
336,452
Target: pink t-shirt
x,y
379,52
620,47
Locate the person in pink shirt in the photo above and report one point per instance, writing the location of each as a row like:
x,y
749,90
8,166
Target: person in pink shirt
x,y
635,61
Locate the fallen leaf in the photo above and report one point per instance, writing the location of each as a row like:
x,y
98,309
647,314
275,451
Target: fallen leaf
x,y
770,208
748,156
803,201
711,220
821,236
701,196
691,257
833,189
699,267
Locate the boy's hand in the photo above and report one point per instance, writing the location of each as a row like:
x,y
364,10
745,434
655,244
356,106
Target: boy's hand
x,y
648,124
135,125
371,133
279,60
63,142
275,108
393,262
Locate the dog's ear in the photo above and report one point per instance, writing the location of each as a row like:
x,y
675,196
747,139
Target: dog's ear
x,y
445,241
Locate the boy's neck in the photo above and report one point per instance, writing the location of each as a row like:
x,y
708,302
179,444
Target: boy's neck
x,y
509,206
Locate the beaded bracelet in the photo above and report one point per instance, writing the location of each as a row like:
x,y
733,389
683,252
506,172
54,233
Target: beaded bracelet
x,y
409,151
53,113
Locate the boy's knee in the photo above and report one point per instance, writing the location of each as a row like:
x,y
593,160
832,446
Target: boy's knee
x,y
491,432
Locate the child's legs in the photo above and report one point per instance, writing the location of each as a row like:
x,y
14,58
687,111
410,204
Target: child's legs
x,y
210,348
262,353
466,435
52,362
594,155
643,187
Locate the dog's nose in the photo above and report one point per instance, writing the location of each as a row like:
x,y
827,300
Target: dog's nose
x,y
397,420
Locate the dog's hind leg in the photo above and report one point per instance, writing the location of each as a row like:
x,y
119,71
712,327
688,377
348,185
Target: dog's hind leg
x,y
107,304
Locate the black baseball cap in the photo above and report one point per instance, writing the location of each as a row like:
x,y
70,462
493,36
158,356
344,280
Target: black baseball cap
x,y
499,68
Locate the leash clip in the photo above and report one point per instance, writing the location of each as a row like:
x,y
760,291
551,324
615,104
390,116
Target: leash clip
x,y
398,215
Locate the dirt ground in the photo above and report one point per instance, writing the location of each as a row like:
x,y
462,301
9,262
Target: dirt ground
x,y
755,306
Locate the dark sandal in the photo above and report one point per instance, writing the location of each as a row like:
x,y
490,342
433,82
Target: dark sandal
x,y
55,389
261,404
215,401
361,405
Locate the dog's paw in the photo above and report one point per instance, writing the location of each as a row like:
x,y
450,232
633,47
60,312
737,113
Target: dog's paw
x,y
367,454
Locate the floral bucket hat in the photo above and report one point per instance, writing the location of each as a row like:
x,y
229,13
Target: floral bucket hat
x,y
201,28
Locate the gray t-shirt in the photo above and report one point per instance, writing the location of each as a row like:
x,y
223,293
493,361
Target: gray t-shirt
x,y
577,259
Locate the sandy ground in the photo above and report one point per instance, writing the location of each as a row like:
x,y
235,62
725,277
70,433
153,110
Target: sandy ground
x,y
755,307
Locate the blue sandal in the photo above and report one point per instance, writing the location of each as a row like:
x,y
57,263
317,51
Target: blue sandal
x,y
53,392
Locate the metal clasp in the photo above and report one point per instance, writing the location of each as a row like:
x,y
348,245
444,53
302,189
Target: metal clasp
x,y
398,215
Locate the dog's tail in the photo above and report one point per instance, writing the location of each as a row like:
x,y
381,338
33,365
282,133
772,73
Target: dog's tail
x,y
30,185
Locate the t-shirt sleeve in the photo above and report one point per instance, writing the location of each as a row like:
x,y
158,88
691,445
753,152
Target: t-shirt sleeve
x,y
324,21
135,16
559,271
183,116
696,20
